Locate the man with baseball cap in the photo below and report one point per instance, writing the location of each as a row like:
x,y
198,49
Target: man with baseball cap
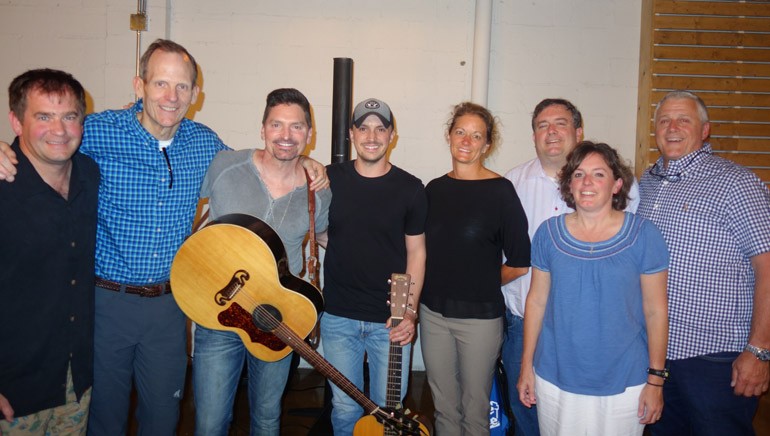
x,y
368,240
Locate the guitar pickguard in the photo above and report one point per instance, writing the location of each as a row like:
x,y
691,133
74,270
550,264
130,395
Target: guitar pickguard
x,y
237,316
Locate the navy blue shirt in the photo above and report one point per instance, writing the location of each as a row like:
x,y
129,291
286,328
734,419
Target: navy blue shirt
x,y
46,285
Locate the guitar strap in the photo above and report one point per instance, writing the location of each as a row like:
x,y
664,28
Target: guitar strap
x,y
312,260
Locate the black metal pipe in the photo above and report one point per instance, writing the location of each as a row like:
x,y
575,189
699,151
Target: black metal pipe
x,y
342,101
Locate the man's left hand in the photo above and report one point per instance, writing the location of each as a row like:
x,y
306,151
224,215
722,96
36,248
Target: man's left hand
x,y
751,376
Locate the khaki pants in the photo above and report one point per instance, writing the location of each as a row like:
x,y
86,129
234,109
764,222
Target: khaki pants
x,y
460,357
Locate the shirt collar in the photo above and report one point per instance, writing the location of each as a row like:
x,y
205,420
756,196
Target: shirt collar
x,y
29,180
681,165
134,110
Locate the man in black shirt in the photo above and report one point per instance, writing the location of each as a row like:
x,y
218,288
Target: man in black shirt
x,y
47,231
376,228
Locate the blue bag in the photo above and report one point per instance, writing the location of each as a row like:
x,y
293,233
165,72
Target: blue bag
x,y
498,421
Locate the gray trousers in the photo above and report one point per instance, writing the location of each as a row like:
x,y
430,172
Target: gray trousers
x,y
460,357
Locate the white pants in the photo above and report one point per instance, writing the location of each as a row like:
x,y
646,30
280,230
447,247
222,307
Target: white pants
x,y
566,414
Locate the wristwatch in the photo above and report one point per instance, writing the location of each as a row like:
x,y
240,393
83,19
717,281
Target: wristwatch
x,y
762,354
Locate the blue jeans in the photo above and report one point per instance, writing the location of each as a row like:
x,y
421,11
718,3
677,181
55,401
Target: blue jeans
x,y
699,400
525,419
217,366
344,342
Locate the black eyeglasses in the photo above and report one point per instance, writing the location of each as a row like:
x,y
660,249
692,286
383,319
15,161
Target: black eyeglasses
x,y
656,171
168,165
659,173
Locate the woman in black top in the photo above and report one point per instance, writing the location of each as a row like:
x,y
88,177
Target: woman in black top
x,y
474,217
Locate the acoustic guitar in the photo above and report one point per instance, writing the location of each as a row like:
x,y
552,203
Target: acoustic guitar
x,y
234,275
224,272
369,425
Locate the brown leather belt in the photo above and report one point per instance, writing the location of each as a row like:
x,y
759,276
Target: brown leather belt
x,y
142,291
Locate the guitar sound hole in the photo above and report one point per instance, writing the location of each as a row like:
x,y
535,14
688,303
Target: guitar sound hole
x,y
266,317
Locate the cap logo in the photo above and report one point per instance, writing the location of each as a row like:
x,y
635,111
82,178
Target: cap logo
x,y
371,104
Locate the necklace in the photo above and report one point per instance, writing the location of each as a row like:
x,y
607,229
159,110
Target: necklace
x,y
271,212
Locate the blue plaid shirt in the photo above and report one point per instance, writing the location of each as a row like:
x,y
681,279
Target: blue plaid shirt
x,y
142,222
715,216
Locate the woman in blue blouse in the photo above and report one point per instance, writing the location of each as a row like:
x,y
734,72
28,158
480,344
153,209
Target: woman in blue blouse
x,y
596,322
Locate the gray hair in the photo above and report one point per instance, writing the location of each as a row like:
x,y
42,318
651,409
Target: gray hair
x,y
678,94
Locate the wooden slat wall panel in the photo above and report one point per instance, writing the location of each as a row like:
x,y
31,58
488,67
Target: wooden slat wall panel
x,y
712,53
721,51
739,113
667,66
713,38
750,85
711,23
753,9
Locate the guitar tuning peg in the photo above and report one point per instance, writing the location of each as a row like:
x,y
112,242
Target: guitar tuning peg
x,y
390,282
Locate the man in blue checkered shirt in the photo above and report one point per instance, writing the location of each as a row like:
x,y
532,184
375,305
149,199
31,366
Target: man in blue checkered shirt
x,y
715,217
152,161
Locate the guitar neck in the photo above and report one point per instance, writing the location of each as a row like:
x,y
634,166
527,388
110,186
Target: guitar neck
x,y
324,367
393,389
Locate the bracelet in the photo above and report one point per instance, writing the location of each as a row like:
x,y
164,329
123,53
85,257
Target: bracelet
x,y
409,308
655,384
662,373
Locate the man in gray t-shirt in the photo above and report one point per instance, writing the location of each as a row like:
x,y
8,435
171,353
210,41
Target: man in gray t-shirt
x,y
271,186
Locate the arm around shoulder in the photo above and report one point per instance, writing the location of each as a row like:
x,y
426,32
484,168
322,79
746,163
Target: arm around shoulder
x,y
8,162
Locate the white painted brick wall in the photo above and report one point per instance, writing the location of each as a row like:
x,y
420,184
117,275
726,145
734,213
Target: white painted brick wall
x,y
409,53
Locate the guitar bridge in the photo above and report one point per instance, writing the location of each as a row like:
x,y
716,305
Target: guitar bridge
x,y
231,289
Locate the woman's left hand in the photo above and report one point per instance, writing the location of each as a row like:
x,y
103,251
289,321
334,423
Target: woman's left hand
x,y
650,404
406,330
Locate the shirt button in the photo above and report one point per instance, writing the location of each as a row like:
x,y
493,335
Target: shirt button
x,y
160,203
72,244
73,282
72,318
155,255
158,230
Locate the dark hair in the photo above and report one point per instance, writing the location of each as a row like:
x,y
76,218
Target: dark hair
x,y
288,96
619,171
490,121
47,81
169,47
577,118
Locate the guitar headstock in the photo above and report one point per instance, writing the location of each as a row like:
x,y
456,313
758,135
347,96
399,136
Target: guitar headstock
x,y
399,294
396,420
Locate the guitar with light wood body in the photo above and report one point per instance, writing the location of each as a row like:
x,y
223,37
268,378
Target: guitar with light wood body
x,y
233,275
235,265
370,425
